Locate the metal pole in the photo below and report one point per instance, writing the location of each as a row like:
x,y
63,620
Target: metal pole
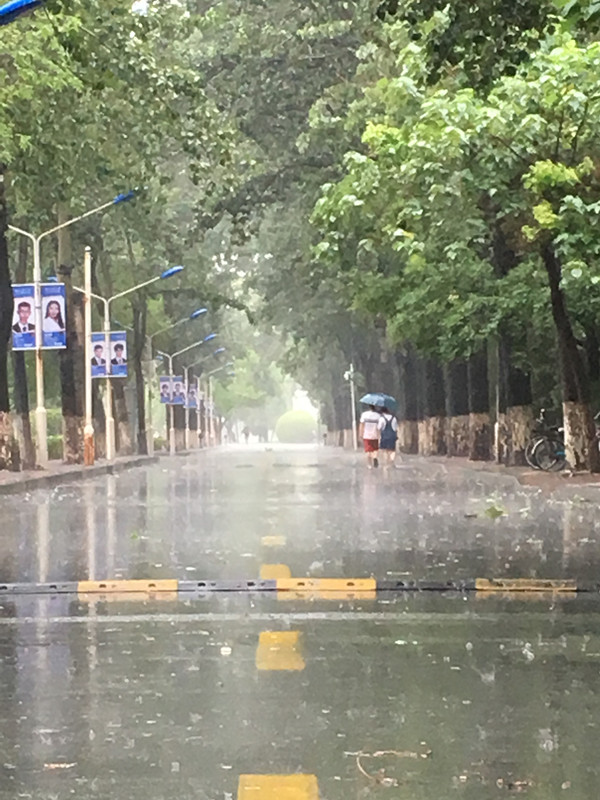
x,y
41,423
212,424
88,430
198,425
353,401
110,420
150,398
186,372
171,413
206,438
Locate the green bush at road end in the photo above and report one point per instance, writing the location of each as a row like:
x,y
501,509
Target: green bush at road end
x,y
296,427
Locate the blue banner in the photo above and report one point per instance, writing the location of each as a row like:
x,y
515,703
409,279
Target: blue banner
x,y
99,350
23,322
192,395
54,328
118,354
165,389
178,396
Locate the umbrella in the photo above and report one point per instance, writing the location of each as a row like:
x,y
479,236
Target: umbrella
x,y
379,399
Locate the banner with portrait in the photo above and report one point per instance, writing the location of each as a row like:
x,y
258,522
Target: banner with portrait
x,y
99,351
118,354
192,395
54,328
165,389
23,320
178,395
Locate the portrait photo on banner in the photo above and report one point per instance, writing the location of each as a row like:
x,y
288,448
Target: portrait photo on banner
x,y
99,350
118,354
165,389
54,328
178,396
192,395
23,319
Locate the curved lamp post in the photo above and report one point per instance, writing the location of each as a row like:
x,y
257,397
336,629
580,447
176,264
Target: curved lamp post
x,y
186,371
169,357
40,410
209,406
110,420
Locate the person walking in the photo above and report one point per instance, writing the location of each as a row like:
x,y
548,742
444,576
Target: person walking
x,y
388,436
369,433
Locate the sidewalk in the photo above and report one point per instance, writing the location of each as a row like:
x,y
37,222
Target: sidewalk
x,y
58,472
564,483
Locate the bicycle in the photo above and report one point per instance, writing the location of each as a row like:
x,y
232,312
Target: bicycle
x,y
546,448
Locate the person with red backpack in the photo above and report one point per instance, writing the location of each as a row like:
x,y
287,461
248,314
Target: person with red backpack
x,y
388,436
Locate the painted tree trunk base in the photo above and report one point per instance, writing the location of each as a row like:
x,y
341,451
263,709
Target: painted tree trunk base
x,y
124,439
9,448
480,437
580,437
22,427
408,437
457,435
431,436
72,439
514,432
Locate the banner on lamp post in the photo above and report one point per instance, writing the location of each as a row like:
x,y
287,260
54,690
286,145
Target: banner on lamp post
x,y
192,395
99,351
23,327
54,316
178,395
165,389
118,354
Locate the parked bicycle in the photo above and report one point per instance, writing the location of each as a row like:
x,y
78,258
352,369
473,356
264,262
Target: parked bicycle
x,y
546,448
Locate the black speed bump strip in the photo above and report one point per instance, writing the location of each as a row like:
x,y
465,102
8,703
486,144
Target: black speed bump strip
x,y
298,586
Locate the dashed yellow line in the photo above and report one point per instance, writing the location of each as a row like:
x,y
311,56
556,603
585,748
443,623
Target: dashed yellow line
x,y
279,651
271,572
278,787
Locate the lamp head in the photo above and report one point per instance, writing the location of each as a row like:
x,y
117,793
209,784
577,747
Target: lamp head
x,y
198,313
168,273
210,337
219,350
11,11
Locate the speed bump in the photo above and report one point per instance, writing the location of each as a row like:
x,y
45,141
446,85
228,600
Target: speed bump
x,y
524,585
278,787
326,585
123,586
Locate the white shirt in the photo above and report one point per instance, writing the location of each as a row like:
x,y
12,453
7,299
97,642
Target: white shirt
x,y
384,418
370,420
51,326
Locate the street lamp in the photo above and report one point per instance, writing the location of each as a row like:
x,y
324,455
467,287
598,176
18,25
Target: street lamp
x,y
349,376
9,12
40,411
110,420
186,371
169,358
199,312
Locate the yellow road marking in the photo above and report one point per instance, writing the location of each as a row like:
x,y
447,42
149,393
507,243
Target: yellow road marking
x,y
279,651
273,541
355,586
270,572
122,586
524,585
278,787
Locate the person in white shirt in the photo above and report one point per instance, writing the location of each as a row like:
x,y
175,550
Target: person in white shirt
x,y
388,436
369,433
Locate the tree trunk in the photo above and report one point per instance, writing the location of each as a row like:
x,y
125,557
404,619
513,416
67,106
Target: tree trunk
x,y
21,392
515,417
457,408
140,308
408,401
9,451
72,372
432,426
122,433
581,447
480,428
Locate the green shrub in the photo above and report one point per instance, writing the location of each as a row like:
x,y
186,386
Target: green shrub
x,y
160,443
55,447
296,427
55,421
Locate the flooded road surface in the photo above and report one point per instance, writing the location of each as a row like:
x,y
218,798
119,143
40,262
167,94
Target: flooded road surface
x,y
275,697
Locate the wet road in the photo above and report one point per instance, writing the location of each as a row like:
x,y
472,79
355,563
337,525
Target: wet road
x,y
265,697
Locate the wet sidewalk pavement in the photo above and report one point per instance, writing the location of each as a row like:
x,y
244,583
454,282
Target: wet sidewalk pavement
x,y
249,696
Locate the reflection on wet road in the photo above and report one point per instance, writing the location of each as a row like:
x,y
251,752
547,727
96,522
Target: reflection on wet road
x,y
271,697
226,516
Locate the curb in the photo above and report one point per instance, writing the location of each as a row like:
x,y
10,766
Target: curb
x,y
333,588
77,473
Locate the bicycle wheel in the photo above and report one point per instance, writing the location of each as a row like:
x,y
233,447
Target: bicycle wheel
x,y
529,458
549,454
